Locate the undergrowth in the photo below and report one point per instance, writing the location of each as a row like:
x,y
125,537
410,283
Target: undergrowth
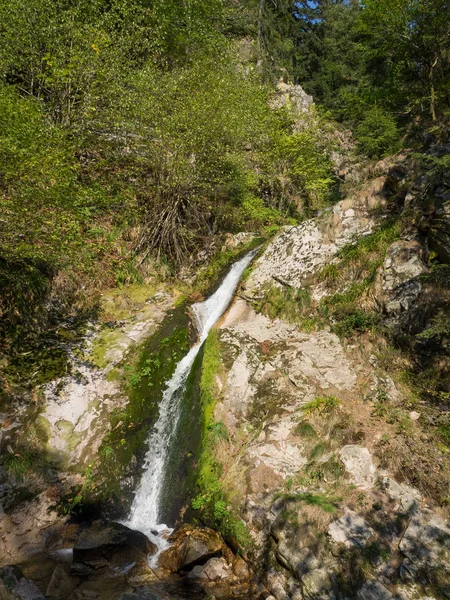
x,y
212,503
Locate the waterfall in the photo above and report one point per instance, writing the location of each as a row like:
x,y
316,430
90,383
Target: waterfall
x,y
145,510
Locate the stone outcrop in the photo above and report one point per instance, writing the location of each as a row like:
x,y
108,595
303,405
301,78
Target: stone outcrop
x,y
399,284
190,546
297,253
350,530
358,463
109,548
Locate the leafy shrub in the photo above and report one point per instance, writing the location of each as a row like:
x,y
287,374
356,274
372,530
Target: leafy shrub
x,y
377,134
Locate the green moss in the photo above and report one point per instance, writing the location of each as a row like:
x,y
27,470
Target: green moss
x,y
42,429
328,504
211,502
374,243
102,344
305,430
143,379
119,302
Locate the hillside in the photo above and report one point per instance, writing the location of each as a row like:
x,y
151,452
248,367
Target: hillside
x,y
224,305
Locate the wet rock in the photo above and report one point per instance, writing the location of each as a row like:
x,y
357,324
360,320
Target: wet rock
x,y
141,574
358,463
374,590
109,547
16,586
4,594
350,530
190,547
144,595
61,584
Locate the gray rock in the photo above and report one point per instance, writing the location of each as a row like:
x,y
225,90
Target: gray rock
x,y
16,586
406,496
109,546
294,556
293,96
374,590
350,530
426,541
143,595
318,585
358,463
299,252
398,286
214,570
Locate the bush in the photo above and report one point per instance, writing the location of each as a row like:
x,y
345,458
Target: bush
x,y
377,134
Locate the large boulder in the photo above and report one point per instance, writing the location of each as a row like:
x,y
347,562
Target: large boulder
x,y
110,548
298,253
61,584
190,546
214,570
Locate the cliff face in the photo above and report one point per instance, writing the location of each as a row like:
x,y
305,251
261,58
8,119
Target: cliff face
x,y
334,460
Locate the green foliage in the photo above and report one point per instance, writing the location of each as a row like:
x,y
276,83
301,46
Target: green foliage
x,y
305,430
19,465
326,503
377,133
378,65
144,381
292,305
321,405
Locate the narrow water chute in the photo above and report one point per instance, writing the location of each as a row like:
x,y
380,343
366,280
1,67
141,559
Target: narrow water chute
x,y
146,510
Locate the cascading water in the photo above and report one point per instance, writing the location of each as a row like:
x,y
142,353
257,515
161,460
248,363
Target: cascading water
x,y
146,509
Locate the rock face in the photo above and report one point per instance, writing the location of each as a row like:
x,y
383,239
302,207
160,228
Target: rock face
x,y
399,284
294,96
426,545
77,407
304,462
109,547
299,252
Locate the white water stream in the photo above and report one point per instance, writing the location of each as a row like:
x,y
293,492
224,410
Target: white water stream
x,y
145,510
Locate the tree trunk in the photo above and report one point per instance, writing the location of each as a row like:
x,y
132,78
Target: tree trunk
x,y
432,90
